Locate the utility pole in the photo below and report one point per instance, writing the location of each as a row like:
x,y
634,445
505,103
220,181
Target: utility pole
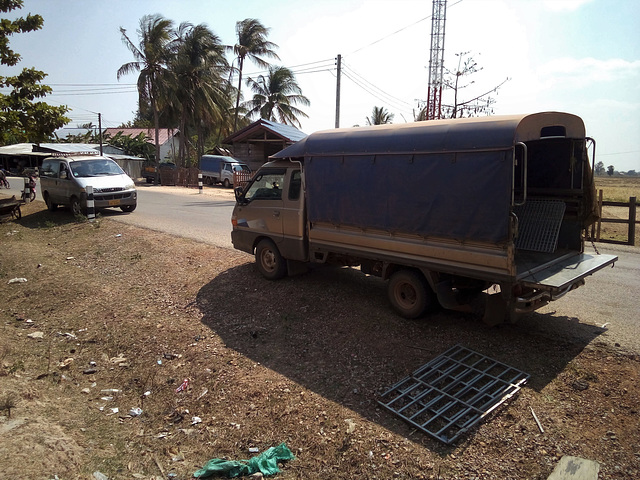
x,y
339,65
436,60
100,130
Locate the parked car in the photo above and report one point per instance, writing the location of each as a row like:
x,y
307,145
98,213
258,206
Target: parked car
x,y
63,181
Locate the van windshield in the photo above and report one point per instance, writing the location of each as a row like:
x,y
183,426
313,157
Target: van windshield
x,y
95,168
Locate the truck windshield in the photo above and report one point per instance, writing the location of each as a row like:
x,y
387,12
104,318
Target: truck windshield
x,y
241,168
95,168
266,186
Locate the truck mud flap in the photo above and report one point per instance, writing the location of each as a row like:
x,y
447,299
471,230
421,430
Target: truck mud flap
x,y
569,271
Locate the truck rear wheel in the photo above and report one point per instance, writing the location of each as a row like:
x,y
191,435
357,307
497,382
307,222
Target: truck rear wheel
x,y
409,294
269,261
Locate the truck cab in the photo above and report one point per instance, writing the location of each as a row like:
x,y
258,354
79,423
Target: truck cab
x,y
269,217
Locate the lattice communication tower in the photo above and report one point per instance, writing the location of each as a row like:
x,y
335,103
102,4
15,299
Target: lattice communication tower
x,y
436,60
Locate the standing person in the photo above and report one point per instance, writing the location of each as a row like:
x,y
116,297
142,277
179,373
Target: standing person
x,y
3,179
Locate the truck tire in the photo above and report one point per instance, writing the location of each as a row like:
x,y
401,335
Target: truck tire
x,y
269,261
410,294
226,183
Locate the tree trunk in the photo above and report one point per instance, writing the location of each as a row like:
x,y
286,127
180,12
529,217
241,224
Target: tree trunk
x,y
156,123
235,121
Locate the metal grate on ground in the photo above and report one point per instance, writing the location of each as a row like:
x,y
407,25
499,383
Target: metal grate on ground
x,y
539,224
453,392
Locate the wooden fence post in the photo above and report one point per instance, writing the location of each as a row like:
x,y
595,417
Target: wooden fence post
x,y
632,221
599,215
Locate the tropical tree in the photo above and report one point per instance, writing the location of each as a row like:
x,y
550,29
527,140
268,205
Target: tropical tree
x,y
276,96
151,56
379,116
198,93
22,119
252,44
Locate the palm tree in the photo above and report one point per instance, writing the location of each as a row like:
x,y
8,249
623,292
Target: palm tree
x,y
199,92
275,97
150,59
379,116
252,44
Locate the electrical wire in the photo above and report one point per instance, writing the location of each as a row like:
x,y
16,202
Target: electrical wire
x,y
367,89
398,31
382,92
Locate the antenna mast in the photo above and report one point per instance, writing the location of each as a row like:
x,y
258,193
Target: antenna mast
x,y
436,60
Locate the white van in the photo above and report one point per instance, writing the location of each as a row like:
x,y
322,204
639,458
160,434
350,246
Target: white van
x,y
63,181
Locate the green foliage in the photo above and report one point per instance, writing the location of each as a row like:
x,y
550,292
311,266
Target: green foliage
x,y
379,116
22,118
137,146
610,170
275,97
252,44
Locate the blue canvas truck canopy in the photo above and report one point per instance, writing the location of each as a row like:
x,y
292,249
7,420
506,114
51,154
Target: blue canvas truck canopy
x,y
443,178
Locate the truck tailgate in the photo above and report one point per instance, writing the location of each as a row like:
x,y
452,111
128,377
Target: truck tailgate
x,y
568,271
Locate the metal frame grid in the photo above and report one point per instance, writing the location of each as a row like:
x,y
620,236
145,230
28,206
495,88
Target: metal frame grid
x,y
453,392
539,225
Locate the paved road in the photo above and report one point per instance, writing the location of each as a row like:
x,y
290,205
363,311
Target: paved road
x,y
610,298
184,212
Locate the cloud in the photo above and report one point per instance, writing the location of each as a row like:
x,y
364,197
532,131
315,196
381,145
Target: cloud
x,y
581,72
564,5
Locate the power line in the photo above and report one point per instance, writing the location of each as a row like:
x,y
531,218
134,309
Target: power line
x,y
617,153
398,31
375,94
351,70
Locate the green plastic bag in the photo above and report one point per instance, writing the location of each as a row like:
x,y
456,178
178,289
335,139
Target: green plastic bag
x,y
266,462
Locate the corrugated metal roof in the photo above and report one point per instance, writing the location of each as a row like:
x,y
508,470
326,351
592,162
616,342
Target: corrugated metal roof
x,y
68,147
288,131
17,149
283,132
164,134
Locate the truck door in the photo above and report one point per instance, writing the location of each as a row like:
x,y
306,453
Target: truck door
x,y
262,214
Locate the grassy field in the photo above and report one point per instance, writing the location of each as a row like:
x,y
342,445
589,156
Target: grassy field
x,y
618,189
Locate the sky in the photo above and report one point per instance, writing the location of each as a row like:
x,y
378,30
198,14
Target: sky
x,y
576,56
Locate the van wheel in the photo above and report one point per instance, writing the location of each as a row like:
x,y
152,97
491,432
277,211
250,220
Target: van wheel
x,y
409,294
128,208
269,261
226,183
76,207
52,207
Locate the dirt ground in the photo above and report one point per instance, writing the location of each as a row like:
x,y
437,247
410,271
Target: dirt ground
x,y
114,318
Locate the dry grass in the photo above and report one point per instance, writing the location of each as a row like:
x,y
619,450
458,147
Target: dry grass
x,y
300,361
618,189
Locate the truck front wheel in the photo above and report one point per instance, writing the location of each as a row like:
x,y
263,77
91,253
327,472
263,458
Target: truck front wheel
x,y
269,261
409,294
